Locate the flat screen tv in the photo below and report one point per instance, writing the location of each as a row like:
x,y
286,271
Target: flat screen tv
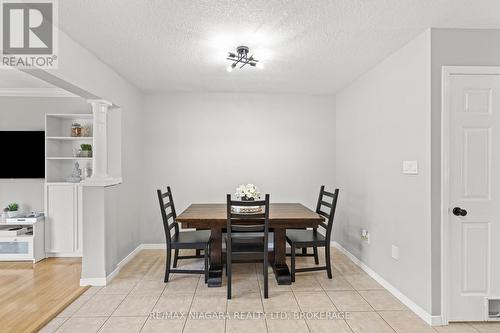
x,y
23,154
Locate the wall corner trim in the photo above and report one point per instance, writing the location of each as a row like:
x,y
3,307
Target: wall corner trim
x,y
114,273
424,315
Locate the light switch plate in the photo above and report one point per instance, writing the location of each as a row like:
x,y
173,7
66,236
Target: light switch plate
x,y
410,167
395,252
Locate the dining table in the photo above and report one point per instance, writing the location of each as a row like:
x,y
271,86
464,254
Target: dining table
x,y
282,216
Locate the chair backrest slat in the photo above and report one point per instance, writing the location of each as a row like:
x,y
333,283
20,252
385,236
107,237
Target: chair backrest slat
x,y
255,216
327,204
330,205
329,194
324,225
247,222
247,228
322,213
168,213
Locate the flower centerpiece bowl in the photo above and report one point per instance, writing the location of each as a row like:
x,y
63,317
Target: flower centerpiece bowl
x,y
248,192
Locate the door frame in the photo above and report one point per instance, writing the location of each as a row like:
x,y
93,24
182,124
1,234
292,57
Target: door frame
x,y
447,73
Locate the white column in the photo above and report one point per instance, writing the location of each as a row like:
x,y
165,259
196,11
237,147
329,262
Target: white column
x,y
100,141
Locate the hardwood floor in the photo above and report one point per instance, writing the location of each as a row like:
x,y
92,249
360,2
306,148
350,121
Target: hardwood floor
x,y
31,295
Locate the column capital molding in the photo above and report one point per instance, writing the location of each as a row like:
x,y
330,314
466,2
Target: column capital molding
x,y
99,102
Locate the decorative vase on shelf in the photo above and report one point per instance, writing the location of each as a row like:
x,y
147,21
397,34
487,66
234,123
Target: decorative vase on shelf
x,y
76,130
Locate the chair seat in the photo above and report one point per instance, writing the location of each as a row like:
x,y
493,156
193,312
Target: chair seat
x,y
191,239
304,237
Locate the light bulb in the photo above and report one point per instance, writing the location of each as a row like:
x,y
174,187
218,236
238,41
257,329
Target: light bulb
x,y
260,65
230,68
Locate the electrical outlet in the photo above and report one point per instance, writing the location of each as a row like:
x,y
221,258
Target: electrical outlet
x,y
395,252
365,236
410,167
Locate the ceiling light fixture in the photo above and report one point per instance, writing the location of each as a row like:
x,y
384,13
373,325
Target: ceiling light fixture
x,y
241,58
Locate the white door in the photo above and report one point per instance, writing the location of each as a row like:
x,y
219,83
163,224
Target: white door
x,y
474,194
60,220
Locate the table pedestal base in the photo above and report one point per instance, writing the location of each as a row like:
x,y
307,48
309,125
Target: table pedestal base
x,y
282,274
215,275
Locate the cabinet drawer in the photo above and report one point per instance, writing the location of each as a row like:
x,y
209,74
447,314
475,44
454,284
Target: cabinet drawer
x,y
12,248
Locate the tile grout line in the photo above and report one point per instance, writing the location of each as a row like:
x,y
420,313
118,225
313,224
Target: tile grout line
x,y
191,305
298,305
162,291
331,300
354,289
119,305
261,295
378,314
300,309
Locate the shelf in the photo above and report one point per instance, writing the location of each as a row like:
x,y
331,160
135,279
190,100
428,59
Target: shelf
x,y
70,138
72,116
70,158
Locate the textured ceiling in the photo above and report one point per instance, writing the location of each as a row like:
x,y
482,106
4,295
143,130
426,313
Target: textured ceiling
x,y
313,47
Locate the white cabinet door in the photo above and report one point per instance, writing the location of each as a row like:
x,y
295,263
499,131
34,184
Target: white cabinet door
x,y
79,219
61,218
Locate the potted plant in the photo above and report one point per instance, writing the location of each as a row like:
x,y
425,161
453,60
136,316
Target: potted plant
x,y
86,150
12,210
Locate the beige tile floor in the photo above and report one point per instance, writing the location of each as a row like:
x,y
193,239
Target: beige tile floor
x,y
125,305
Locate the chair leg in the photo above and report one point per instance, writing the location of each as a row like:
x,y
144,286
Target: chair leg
x,y
292,273
316,259
176,254
266,275
167,264
328,263
228,272
206,263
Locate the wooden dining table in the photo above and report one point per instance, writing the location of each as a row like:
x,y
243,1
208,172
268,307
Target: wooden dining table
x,y
282,216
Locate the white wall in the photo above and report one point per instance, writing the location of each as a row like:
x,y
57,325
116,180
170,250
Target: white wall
x,y
204,145
82,73
383,118
28,114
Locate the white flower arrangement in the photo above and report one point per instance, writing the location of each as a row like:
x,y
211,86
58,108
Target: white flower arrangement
x,y
247,192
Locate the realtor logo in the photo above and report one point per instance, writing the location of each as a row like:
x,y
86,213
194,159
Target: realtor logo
x,y
29,34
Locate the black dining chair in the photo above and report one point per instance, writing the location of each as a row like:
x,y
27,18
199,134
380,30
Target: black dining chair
x,y
247,236
312,238
194,240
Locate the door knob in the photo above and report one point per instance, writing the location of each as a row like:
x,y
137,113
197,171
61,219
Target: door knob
x,y
457,211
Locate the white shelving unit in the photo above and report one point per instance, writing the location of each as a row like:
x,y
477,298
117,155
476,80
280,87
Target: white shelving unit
x,y
63,200
69,138
59,145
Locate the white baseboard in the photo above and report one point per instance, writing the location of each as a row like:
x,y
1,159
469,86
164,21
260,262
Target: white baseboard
x,y
93,282
427,317
63,255
104,281
159,246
